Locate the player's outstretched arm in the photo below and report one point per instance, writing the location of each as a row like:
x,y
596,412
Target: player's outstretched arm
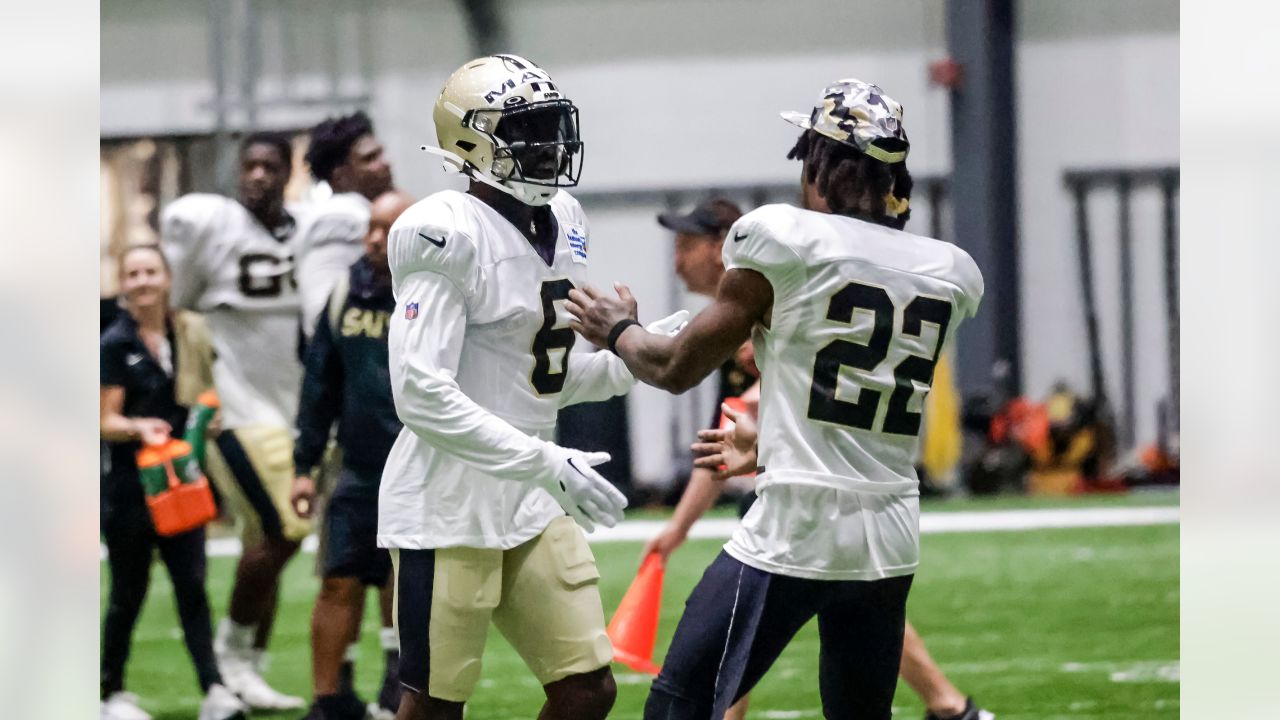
x,y
698,497
674,363
320,402
600,375
319,407
703,490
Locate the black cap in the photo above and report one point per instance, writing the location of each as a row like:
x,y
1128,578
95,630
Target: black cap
x,y
709,217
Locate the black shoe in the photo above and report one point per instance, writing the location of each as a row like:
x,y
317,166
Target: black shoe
x,y
389,695
345,706
347,678
971,712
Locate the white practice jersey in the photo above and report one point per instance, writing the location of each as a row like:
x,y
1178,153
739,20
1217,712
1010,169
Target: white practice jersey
x,y
861,313
330,240
480,365
229,267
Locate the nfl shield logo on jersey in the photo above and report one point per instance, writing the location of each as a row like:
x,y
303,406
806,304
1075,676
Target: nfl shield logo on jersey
x,y
410,311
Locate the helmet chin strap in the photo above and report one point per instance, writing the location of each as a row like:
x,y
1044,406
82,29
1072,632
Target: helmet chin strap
x,y
454,163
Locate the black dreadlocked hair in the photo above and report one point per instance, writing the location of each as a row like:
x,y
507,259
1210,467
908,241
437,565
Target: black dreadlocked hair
x,y
852,182
331,141
278,140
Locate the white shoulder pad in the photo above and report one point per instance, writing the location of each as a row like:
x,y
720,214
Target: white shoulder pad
x,y
573,223
335,221
567,207
968,277
761,241
427,238
183,221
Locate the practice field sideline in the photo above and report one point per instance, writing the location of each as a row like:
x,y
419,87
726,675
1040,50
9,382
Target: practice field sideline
x,y
930,522
1056,612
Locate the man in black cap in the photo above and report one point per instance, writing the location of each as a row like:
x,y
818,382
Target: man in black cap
x,y
700,235
699,238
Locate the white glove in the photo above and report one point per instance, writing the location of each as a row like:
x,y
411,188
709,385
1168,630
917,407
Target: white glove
x,y
582,492
670,325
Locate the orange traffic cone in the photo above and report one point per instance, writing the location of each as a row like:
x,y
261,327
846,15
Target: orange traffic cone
x,y
634,627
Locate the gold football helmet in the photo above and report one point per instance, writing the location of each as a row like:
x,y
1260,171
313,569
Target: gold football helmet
x,y
502,121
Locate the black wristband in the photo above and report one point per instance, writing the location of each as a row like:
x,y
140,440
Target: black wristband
x,y
616,332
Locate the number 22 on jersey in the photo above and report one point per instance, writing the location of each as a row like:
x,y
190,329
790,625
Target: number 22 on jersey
x,y
861,414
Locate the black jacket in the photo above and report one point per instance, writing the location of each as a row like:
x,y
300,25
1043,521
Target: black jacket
x,y
347,379
125,362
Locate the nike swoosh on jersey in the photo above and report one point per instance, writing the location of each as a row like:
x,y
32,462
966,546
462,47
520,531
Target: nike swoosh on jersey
x,y
133,359
739,237
438,243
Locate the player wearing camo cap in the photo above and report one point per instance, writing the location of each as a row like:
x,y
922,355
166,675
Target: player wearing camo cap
x,y
848,314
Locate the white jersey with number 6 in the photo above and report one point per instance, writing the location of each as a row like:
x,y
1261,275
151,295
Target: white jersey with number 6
x,y
241,276
860,314
480,364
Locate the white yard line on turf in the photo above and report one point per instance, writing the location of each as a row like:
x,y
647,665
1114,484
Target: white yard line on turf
x,y
930,522
934,522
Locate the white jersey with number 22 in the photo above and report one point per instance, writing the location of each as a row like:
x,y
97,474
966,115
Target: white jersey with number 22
x,y
860,314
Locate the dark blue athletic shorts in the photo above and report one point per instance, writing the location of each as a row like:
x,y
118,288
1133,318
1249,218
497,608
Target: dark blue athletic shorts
x,y
738,620
351,536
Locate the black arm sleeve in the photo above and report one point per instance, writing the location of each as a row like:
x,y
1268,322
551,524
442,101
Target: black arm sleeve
x,y
321,401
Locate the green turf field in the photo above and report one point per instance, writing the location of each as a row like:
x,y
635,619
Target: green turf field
x,y
1079,623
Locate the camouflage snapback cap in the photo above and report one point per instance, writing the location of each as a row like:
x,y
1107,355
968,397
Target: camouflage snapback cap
x,y
858,114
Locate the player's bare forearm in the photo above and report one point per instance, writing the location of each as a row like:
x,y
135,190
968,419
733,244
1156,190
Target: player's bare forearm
x,y
699,496
675,363
664,362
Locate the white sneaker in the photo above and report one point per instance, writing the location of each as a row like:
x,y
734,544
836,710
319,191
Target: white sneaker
x,y
123,706
261,660
222,704
374,711
242,678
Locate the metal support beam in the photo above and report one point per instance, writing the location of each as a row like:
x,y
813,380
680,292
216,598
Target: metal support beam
x,y
484,20
935,190
1168,189
1084,249
237,65
1124,182
223,170
984,191
1128,389
250,56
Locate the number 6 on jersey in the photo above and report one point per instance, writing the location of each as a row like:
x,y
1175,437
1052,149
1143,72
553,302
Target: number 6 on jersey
x,y
550,338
